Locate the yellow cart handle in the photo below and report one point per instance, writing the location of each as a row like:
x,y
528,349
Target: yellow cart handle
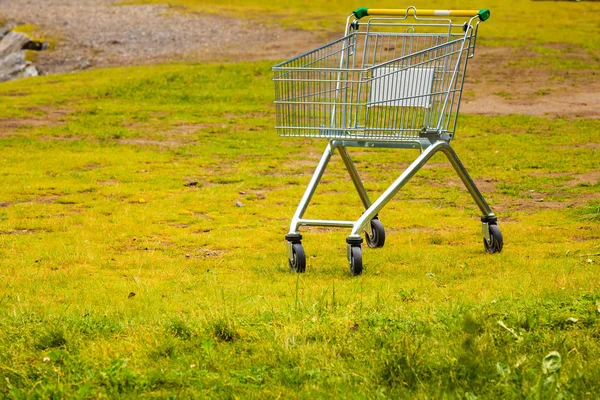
x,y
363,12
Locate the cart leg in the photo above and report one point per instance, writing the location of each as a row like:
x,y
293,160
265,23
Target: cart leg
x,y
310,189
295,252
491,233
374,231
386,196
468,182
492,237
364,197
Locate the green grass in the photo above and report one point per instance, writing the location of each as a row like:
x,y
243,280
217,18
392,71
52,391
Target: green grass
x,y
127,270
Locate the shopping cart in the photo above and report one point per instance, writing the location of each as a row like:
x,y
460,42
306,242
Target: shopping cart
x,y
394,81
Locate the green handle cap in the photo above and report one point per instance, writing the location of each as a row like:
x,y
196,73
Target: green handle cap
x,y
361,12
484,14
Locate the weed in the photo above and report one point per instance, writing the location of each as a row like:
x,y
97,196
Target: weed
x,y
179,329
223,329
117,378
52,338
543,92
165,348
504,94
591,212
402,366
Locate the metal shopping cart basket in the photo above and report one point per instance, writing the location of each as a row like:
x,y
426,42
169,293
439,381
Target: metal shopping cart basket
x,y
394,81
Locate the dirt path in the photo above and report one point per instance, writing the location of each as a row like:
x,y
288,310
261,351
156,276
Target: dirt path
x,y
95,33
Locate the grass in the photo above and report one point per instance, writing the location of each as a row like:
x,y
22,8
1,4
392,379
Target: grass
x,y
127,268
591,212
142,216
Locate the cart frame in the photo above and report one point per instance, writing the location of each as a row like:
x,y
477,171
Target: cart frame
x,y
377,100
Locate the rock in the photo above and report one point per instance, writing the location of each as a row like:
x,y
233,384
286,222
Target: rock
x,y
12,42
14,66
12,54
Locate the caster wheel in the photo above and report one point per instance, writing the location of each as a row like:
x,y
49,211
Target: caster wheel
x,y
495,244
377,237
356,266
298,260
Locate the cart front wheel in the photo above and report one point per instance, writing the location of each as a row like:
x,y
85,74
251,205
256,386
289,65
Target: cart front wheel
x,y
298,260
377,237
495,243
356,266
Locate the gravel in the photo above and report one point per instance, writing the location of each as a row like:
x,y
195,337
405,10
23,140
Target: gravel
x,y
99,33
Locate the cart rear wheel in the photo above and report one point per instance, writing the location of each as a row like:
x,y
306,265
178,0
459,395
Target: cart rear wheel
x,y
298,260
495,244
356,266
377,237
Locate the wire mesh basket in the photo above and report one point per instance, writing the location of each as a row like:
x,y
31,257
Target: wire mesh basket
x,y
395,80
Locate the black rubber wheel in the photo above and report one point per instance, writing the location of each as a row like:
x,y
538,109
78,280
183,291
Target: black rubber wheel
x,y
496,243
298,260
377,238
356,266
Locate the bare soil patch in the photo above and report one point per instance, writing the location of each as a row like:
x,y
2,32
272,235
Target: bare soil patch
x,y
587,178
494,86
99,33
49,117
150,142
